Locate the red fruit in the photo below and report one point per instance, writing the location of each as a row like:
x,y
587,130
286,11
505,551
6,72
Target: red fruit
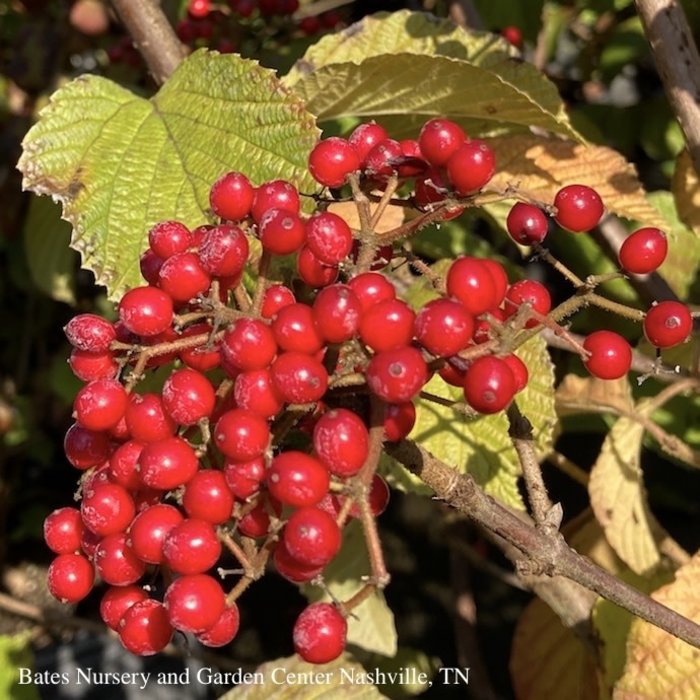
x,y
208,497
231,196
473,283
116,601
256,522
244,478
291,569
90,333
168,238
194,603
191,547
579,208
384,159
365,137
610,355
147,420
202,357
198,8
471,167
70,577
145,629
489,385
431,188
281,232
116,562
241,435
311,536
371,288
188,396
399,419
387,325
168,463
254,391
528,292
149,530
107,509
500,280
223,252
297,479
183,278
299,378
341,441
223,630
513,36
146,311
444,327
85,448
101,404
328,237
314,272
276,194
320,633
332,160
336,313
63,529
275,298
439,139
150,264
643,251
668,323
378,499
294,329
519,370
397,375
89,366
527,224
249,344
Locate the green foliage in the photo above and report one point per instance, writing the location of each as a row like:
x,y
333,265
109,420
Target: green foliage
x,y
15,653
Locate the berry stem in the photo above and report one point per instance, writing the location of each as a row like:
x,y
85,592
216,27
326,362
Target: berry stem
x,y
391,187
261,283
233,547
367,591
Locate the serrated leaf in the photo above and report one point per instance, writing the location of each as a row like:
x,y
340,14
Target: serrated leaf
x,y
371,626
51,262
541,166
15,653
119,163
686,191
619,499
481,446
660,666
583,394
327,681
549,661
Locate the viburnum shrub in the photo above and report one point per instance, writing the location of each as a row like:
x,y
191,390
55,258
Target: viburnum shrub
x,y
211,468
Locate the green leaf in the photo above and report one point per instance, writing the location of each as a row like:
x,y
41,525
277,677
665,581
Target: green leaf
x,y
293,679
51,262
15,654
481,446
119,163
406,67
371,626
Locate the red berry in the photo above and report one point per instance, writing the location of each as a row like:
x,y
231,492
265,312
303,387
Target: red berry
x,y
341,441
168,238
439,139
320,633
281,232
188,396
387,325
378,499
276,194
384,159
397,375
513,36
399,419
579,208
89,366
297,479
63,529
254,391
299,378
150,264
291,569
147,419
249,344
365,137
473,283
183,278
241,435
101,404
224,630
149,530
643,251
85,448
610,355
431,188
328,237
107,509
198,8
223,252
70,577
145,629
668,323
471,166
336,313
275,298
332,160
311,536
294,329
205,356
116,601
194,603
231,196
444,327
371,288
489,385
146,311
527,224
90,333
116,562
168,463
519,370
313,271
244,478
500,280
191,547
208,497
528,292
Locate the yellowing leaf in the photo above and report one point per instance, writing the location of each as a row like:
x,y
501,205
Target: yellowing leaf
x,y
391,217
686,191
548,661
119,163
293,679
660,666
619,499
371,626
541,166
577,394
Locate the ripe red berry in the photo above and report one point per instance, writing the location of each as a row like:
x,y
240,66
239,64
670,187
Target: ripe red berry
x,y
183,278
90,333
291,569
431,188
231,196
168,463
254,391
444,327
473,283
513,36
146,311
116,601
275,194
365,137
328,237
149,530
89,366
336,313
668,323
519,370
489,385
145,629
194,603
149,265
208,497
107,509
579,208
313,271
275,298
399,419
223,252
527,224
224,630
70,577
397,375
198,8
471,166
320,633
643,251
299,378
63,529
188,396
332,160
202,357
311,536
101,404
610,355
341,441
147,420
439,139
85,448
528,292
281,232
191,547
244,478
371,288
387,325
297,479
294,329
384,159
241,435
249,344
116,562
378,499
167,238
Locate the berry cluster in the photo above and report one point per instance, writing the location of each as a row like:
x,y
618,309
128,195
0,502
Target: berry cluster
x,y
254,448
